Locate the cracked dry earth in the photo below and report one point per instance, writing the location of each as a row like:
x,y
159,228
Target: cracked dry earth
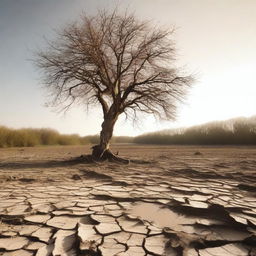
x,y
197,201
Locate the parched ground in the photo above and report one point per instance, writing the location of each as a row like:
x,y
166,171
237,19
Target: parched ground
x,y
177,200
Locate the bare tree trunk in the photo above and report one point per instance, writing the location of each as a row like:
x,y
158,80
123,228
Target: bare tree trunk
x,y
102,151
106,133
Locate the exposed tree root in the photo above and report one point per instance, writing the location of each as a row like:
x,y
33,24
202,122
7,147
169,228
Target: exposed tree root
x,y
98,155
102,155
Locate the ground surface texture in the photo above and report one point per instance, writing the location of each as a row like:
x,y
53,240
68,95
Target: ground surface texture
x,y
197,201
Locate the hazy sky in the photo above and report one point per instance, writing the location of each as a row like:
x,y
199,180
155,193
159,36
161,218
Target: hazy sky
x,y
216,39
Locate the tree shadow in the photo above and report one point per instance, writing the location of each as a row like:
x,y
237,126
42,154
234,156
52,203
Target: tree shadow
x,y
47,164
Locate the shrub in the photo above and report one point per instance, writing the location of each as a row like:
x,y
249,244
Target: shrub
x,y
241,131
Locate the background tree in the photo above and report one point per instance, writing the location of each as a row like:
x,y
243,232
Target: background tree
x,y
122,64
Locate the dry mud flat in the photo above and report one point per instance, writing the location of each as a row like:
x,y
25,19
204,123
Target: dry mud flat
x,y
197,201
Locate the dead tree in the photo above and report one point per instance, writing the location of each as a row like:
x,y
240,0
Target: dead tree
x,y
118,62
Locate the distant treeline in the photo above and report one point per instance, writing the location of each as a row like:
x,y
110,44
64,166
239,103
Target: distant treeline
x,y
35,137
240,131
